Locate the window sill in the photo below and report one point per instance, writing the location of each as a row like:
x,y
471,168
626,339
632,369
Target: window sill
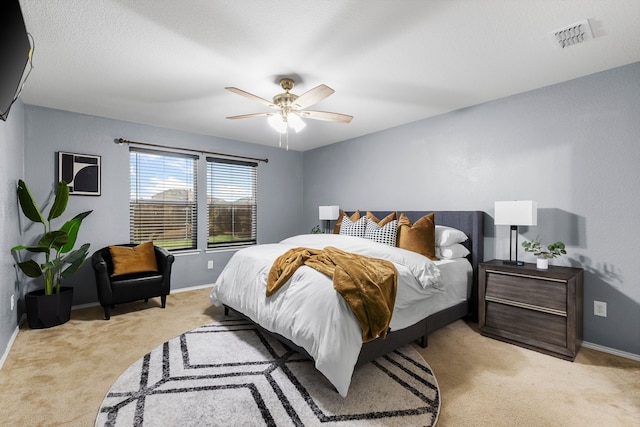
x,y
228,248
186,252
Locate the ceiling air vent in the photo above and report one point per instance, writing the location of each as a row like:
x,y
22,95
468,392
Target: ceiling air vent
x,y
577,33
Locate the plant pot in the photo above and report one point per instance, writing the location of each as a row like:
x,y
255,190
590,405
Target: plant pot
x,y
542,263
46,311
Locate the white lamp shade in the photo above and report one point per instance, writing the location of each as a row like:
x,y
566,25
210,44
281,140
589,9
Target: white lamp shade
x,y
516,212
276,122
295,122
329,212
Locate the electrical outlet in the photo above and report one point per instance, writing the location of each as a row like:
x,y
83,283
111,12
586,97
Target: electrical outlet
x,y
210,264
600,308
13,302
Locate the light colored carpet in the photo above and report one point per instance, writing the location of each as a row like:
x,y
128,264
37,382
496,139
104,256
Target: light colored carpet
x,y
229,373
60,376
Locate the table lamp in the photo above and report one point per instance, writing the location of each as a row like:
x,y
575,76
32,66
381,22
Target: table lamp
x,y
515,213
328,213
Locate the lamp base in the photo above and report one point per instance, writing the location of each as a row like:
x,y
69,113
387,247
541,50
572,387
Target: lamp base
x,y
516,263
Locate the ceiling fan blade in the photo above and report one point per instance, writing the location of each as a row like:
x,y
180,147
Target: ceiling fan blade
x,y
312,96
247,116
251,96
326,116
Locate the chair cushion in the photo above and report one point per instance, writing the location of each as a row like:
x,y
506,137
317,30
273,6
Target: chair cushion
x,y
130,260
137,279
137,287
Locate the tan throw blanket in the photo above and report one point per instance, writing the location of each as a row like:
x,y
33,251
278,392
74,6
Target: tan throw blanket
x,y
368,285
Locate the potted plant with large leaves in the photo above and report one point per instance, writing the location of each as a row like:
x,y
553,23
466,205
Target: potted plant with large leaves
x,y
51,306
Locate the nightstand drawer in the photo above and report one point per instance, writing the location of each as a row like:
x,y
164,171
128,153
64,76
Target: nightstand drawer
x,y
532,292
536,325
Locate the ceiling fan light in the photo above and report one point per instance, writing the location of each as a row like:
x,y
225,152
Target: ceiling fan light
x,y
295,122
276,122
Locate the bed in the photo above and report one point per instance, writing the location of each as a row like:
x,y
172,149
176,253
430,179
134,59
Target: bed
x,y
311,318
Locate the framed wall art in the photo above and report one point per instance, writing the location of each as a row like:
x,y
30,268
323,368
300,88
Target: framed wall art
x,y
81,172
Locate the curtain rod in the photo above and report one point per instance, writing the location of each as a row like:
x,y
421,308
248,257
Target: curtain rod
x,y
126,141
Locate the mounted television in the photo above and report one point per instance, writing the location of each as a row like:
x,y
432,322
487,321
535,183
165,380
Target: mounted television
x,y
15,50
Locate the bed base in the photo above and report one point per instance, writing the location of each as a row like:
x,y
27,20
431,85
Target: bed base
x,y
371,350
416,332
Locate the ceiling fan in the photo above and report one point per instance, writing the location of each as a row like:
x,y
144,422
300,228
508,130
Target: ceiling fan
x,y
290,107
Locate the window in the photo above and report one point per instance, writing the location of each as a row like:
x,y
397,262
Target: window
x,y
162,203
231,202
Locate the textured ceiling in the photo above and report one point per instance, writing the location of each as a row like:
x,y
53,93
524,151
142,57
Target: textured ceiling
x,y
166,63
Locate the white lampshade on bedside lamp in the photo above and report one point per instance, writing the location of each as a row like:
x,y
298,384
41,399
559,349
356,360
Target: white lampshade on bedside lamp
x,y
328,213
515,213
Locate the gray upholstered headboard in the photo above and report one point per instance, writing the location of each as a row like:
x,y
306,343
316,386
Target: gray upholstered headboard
x,y
472,224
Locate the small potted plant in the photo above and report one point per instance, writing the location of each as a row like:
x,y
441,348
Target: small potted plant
x,y
543,254
316,230
51,306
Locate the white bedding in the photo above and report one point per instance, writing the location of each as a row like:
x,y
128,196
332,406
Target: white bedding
x,y
310,313
456,279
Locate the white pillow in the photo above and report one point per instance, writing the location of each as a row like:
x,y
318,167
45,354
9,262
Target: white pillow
x,y
446,236
386,234
452,251
351,228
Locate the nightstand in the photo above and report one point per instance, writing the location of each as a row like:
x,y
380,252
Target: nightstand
x,y
537,309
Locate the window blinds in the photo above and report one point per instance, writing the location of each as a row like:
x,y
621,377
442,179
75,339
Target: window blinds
x,y
231,202
163,198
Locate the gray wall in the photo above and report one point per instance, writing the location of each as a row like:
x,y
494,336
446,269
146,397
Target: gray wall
x,y
11,168
572,147
48,131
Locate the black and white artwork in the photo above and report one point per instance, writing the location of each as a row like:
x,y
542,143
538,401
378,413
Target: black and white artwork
x,y
81,172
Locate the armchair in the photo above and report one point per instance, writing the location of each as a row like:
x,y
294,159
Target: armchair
x,y
131,287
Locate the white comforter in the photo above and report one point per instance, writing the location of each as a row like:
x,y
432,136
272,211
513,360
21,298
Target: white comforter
x,y
307,310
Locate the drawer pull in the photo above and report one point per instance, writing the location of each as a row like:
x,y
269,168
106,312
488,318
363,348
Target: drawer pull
x,y
527,306
529,276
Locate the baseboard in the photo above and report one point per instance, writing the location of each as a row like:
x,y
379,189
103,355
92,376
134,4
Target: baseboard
x,y
9,345
173,291
192,288
610,350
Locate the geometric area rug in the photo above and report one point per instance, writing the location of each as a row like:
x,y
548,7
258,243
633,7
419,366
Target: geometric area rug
x,y
229,373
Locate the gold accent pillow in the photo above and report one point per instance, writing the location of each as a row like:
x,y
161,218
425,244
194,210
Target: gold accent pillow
x,y
419,237
384,221
138,259
353,218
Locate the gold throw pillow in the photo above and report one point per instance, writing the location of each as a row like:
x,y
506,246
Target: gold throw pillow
x,y
419,237
129,260
384,221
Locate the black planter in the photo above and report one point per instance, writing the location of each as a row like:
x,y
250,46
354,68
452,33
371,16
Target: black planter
x,y
45,311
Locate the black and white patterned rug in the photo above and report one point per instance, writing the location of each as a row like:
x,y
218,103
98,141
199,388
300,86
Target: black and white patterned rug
x,y
229,373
